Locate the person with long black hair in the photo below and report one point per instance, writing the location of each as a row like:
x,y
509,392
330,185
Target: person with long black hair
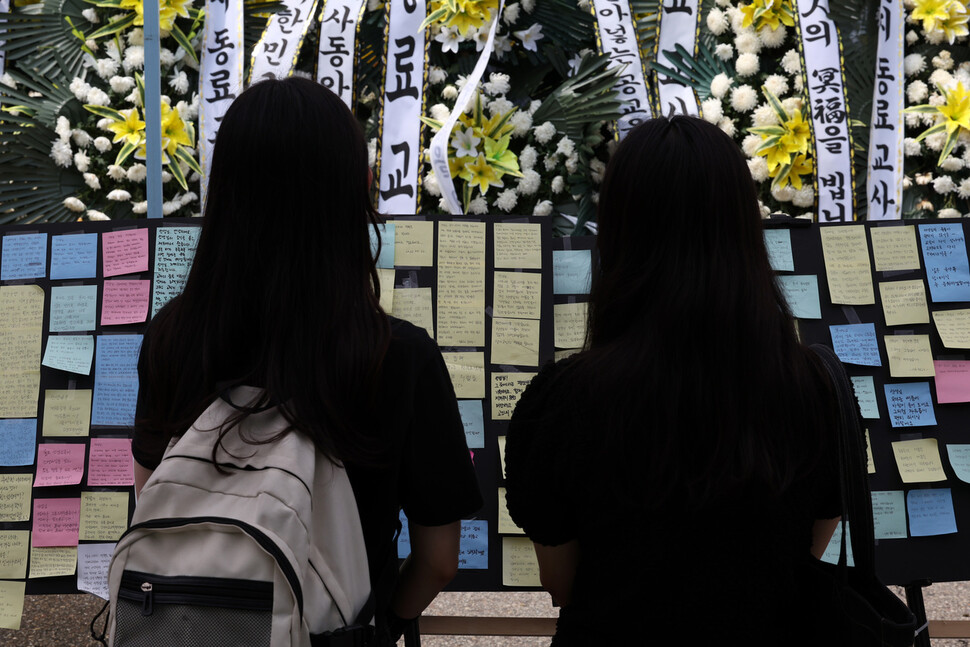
x,y
283,295
673,474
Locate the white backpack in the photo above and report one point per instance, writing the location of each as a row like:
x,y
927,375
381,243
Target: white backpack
x,y
265,554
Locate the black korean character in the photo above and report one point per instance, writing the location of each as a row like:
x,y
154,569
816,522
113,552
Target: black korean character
x,y
395,181
882,116
672,107
273,51
884,70
885,18
219,84
835,183
881,161
678,6
818,31
334,80
828,80
343,20
839,216
812,9
288,20
881,198
335,45
829,110
404,70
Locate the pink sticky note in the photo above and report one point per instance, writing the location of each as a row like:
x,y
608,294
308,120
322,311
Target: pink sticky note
x,y
124,252
952,381
56,522
110,462
59,464
125,302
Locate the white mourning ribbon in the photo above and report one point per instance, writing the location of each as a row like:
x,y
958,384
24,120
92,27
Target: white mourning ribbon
x,y
439,144
220,72
4,8
678,26
339,24
616,35
275,54
885,182
830,115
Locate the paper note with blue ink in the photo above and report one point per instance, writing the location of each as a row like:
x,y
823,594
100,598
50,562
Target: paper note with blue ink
x,y
72,353
865,393
386,257
18,440
801,293
24,257
959,456
856,344
73,308
889,514
930,512
945,258
778,244
74,256
115,380
571,271
910,404
473,544
473,419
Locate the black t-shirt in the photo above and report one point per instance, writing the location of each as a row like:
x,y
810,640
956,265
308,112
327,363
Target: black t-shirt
x,y
431,476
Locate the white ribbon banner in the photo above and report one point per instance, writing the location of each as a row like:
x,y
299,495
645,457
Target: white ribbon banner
x,y
338,47
220,71
885,181
616,34
830,117
275,54
678,26
402,107
4,8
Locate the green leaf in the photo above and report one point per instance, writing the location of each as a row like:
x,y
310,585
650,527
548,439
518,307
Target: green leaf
x,y
185,156
176,171
104,111
125,152
951,141
115,26
184,42
938,128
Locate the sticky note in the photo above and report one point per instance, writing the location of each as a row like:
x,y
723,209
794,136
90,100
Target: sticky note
x,y
954,327
56,522
473,544
413,243
572,271
59,464
519,564
67,413
930,512
74,256
72,353
125,302
53,561
894,248
910,404
919,460
846,253
889,514
870,464
461,284
904,302
945,257
92,568
801,294
505,524
959,456
473,419
414,305
385,277
517,294
865,393
384,236
909,355
507,388
467,371
21,320
18,436
778,244
11,604
404,538
110,462
13,554
24,257
73,308
563,354
174,252
834,548
15,497
952,381
124,252
115,380
856,344
104,515
569,324
515,341
518,245
501,454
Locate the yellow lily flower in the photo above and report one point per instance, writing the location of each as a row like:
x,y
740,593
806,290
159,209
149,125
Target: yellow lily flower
x,y
479,173
132,129
802,165
955,26
776,156
499,156
173,129
931,12
956,109
795,140
772,14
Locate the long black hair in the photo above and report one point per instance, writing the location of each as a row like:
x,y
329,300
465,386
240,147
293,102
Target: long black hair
x,y
687,326
283,292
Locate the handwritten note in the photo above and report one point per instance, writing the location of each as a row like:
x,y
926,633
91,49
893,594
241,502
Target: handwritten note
x,y
910,404
24,257
519,564
14,545
846,253
125,302
110,462
507,388
473,420
801,294
904,302
870,464
894,248
174,251
467,371
92,568
834,548
473,544
11,604
67,413
501,454
930,512
53,561
461,283
404,537
569,321
17,439
856,344
15,497
954,327
59,464
21,319
515,341
909,355
116,380
414,305
56,522
889,514
124,252
778,244
385,278
72,353
518,245
959,456
952,381
505,524
73,308
572,271
517,294
865,393
919,460
945,257
384,236
104,515
413,243
74,256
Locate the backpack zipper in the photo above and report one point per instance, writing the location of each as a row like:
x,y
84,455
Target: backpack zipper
x,y
200,591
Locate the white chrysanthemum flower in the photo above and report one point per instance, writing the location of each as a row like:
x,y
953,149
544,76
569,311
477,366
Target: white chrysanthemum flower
x,y
439,112
543,208
747,64
61,153
169,207
912,119
750,144
527,158
747,42
776,84
964,189
511,12
712,110
79,88
792,105
764,115
478,206
551,162
106,67
497,84
597,168
372,152
572,163
907,182
91,44
92,181
136,36
935,37
783,194
119,195
943,61
73,204
137,173
117,173
96,215
944,184
917,91
544,132
912,148
121,84
736,18
188,198
798,84
791,62
724,51
436,75
565,147
500,106
948,213
558,184
111,49
533,106
521,123
936,141
62,128
952,164
98,97
134,58
179,83
772,38
465,143
529,5
530,37
507,200
91,15
723,3
911,37
529,183
81,138
759,169
942,78
8,81
922,179
166,57
139,207
804,197
167,177
914,64
449,92
430,184
728,127
717,21
744,98
720,84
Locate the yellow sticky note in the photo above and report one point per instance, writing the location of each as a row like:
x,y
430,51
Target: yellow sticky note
x,y
570,324
104,516
904,302
21,320
919,460
519,564
518,245
507,388
414,305
954,327
13,554
15,496
53,561
909,356
569,352
517,294
467,372
870,464
413,243
501,454
11,604
461,283
894,248
505,524
515,341
847,268
386,278
67,413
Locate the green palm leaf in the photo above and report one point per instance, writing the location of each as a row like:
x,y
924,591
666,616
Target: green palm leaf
x,y
694,71
584,99
36,40
647,16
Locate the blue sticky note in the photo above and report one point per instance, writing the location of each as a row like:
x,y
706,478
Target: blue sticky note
x,y
856,344
73,308
24,257
174,252
831,554
474,422
889,514
865,393
115,380
74,256
386,258
801,293
910,404
930,512
945,258
778,244
572,271
959,456
18,441
72,353
404,539
473,545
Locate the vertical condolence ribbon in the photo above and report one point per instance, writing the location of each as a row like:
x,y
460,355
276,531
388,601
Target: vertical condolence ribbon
x,y
616,34
339,25
885,182
822,51
221,70
678,26
275,54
